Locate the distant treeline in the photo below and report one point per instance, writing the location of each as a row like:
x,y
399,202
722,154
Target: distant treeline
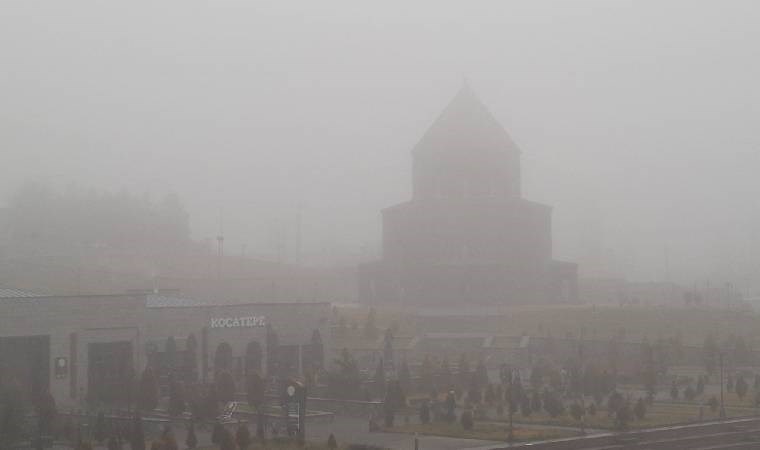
x,y
39,216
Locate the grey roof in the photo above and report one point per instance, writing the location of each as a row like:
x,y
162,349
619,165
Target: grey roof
x,y
15,293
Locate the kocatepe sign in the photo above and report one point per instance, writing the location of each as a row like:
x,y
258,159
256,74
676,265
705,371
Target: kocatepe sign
x,y
238,322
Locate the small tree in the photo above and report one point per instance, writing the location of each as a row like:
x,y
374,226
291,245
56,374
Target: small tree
x,y
332,444
227,441
225,386
390,414
191,440
525,408
137,435
713,403
576,410
700,385
674,390
689,393
99,432
404,376
623,416
535,401
640,409
217,433
176,397
370,327
425,413
242,437
466,419
147,399
741,387
46,413
255,391
380,378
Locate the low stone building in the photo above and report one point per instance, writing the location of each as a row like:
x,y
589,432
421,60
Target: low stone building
x,y
95,345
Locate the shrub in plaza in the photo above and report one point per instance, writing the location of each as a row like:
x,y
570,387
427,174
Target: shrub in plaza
x,y
46,413
525,408
713,403
137,435
426,374
227,442
225,386
191,440
490,395
674,390
623,416
147,396
553,404
425,412
216,433
444,374
463,376
345,381
379,379
466,420
255,390
176,397
99,432
640,409
614,402
390,415
710,353
535,401
480,377
450,405
168,441
242,437
741,387
370,327
113,443
332,444
404,376
576,411
689,393
701,385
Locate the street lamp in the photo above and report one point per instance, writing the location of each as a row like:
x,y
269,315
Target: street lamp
x,y
722,405
507,374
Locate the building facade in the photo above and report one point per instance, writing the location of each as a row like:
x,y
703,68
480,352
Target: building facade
x,y
467,236
89,347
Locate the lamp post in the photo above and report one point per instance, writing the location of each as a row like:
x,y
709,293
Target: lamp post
x,y
508,374
722,405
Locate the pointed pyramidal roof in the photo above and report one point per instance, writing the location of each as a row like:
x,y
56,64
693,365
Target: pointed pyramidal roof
x,y
465,125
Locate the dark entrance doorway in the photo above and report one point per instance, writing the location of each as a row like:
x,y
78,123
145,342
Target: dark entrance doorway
x,y
25,362
109,372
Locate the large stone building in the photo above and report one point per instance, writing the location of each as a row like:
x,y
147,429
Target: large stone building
x,y
467,236
88,347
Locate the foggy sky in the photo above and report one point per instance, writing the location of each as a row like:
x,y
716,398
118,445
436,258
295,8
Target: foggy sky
x,y
638,120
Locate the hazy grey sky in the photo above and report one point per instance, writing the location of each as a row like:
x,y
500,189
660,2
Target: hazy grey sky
x,y
636,118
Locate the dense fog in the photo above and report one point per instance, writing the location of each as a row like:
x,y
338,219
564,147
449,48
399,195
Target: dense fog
x,y
636,120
